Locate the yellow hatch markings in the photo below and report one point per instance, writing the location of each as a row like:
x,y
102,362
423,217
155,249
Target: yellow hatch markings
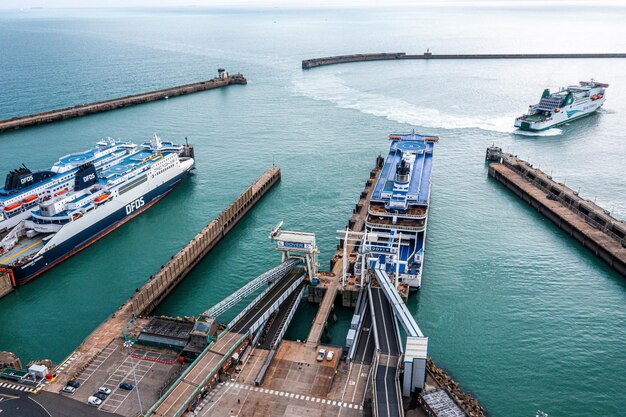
x,y
20,252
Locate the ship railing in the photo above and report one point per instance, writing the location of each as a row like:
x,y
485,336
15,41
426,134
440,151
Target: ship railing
x,y
395,227
388,214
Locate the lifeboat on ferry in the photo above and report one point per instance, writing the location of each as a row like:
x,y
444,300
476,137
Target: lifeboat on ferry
x,y
594,98
77,216
30,199
12,207
101,198
557,110
58,193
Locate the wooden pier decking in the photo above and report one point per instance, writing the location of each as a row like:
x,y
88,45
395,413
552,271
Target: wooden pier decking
x,y
331,284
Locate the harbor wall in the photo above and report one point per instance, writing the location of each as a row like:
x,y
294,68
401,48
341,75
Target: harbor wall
x,y
159,285
342,59
582,219
162,283
116,103
5,283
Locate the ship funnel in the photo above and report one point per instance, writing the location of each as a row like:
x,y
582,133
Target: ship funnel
x,y
86,176
402,171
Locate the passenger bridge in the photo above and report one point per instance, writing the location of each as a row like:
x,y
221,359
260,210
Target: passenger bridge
x,y
282,281
237,336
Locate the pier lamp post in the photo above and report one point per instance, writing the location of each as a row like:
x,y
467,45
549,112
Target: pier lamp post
x,y
129,344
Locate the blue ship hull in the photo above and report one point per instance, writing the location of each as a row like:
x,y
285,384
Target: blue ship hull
x,y
39,265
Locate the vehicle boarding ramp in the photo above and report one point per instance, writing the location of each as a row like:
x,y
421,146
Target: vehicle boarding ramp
x,y
207,367
386,391
416,348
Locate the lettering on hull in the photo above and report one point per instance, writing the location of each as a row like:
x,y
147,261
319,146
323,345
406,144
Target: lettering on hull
x,y
134,205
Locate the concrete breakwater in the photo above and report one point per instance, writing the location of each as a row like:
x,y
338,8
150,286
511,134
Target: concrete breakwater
x,y
222,80
594,227
158,286
386,56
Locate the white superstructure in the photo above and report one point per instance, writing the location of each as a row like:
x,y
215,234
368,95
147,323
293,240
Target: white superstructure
x,y
563,106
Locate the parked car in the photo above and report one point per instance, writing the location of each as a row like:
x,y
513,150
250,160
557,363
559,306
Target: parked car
x,y
94,401
104,390
330,355
69,389
100,396
321,354
126,386
73,384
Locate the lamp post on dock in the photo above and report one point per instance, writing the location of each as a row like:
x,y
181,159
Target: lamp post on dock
x,y
129,344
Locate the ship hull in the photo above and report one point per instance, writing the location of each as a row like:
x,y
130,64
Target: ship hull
x,y
79,241
559,119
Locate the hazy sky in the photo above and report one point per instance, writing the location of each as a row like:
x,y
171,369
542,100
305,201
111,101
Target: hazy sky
x,y
17,4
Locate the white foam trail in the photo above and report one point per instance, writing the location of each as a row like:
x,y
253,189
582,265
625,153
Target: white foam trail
x,y
549,132
330,87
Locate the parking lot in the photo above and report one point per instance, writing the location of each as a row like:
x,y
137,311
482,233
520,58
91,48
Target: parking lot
x,y
153,367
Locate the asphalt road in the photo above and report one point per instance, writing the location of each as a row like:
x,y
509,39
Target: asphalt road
x,y
46,404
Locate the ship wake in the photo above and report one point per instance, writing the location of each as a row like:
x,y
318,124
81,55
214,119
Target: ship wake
x,y
332,88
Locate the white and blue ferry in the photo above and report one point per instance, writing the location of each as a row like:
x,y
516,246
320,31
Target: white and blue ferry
x,y
567,104
398,210
96,203
24,189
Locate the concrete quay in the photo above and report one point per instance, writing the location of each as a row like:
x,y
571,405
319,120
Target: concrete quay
x,y
387,56
152,292
20,122
585,221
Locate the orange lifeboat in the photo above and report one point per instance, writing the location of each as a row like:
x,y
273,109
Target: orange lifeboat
x,y
76,216
101,198
12,207
30,199
58,193
557,110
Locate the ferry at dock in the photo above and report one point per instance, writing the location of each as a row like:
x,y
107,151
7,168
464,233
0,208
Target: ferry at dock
x,y
95,203
24,189
398,210
567,104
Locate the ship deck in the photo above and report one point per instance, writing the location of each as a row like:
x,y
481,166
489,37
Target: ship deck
x,y
129,163
419,186
25,247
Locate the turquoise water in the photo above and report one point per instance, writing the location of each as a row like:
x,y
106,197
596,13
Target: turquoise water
x,y
522,316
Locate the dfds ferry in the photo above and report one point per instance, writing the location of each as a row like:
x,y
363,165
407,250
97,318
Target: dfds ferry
x,y
563,106
398,210
24,189
96,202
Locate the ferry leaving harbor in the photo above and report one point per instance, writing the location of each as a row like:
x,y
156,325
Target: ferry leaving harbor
x,y
398,210
95,203
573,102
24,189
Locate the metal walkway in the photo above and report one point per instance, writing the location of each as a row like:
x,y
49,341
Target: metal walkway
x,y
272,275
415,352
207,366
